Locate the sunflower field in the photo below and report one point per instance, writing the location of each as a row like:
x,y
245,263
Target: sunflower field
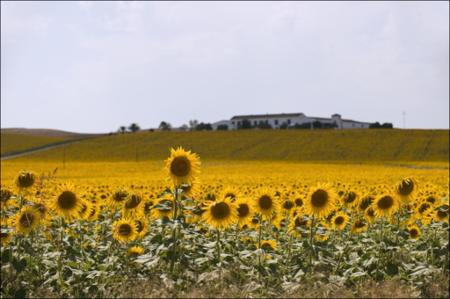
x,y
239,229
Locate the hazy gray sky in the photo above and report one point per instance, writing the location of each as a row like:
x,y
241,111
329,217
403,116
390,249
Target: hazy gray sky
x,y
91,67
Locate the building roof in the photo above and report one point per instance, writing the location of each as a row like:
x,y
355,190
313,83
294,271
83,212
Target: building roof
x,y
267,115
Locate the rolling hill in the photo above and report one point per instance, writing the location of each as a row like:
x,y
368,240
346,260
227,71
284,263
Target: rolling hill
x,y
292,145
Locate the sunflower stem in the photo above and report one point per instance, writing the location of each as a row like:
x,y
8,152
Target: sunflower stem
x,y
311,243
174,241
219,258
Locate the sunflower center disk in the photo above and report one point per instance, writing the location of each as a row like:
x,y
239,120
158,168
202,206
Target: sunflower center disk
x,y
319,198
67,200
243,210
125,230
26,220
220,210
265,202
385,202
339,220
180,166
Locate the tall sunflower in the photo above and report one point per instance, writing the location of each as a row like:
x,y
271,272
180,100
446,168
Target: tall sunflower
x,y
118,198
320,201
385,205
124,230
266,203
359,226
182,166
220,214
66,204
26,220
132,206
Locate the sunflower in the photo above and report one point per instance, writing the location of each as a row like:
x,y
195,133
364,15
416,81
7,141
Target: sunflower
x,y
230,192
414,232
5,237
385,205
93,212
141,227
5,196
364,202
244,211
84,209
182,166
359,226
67,204
25,179
135,251
440,215
320,201
132,206
287,205
369,215
221,213
43,210
270,245
406,188
266,204
163,208
124,230
349,199
26,220
339,221
118,198
299,223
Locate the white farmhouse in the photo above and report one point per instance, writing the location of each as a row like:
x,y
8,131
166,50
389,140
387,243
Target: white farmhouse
x,y
291,120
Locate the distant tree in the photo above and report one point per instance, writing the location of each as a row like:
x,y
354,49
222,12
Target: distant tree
x,y
203,127
184,127
134,127
165,126
375,125
264,125
193,124
222,128
122,129
245,124
387,126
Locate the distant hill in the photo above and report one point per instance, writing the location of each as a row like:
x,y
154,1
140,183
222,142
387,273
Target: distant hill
x,y
20,139
43,132
298,145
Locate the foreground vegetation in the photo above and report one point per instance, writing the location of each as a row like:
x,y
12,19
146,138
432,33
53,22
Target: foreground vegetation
x,y
127,229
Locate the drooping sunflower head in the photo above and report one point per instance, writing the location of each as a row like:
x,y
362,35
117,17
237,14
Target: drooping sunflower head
x,y
141,227
66,204
320,201
298,225
135,251
25,179
118,198
124,230
163,208
385,205
26,220
359,226
339,221
406,188
132,205
269,245
43,210
369,215
349,198
365,202
221,214
441,214
5,196
265,203
5,237
182,166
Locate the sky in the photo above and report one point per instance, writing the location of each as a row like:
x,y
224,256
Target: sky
x,y
92,67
